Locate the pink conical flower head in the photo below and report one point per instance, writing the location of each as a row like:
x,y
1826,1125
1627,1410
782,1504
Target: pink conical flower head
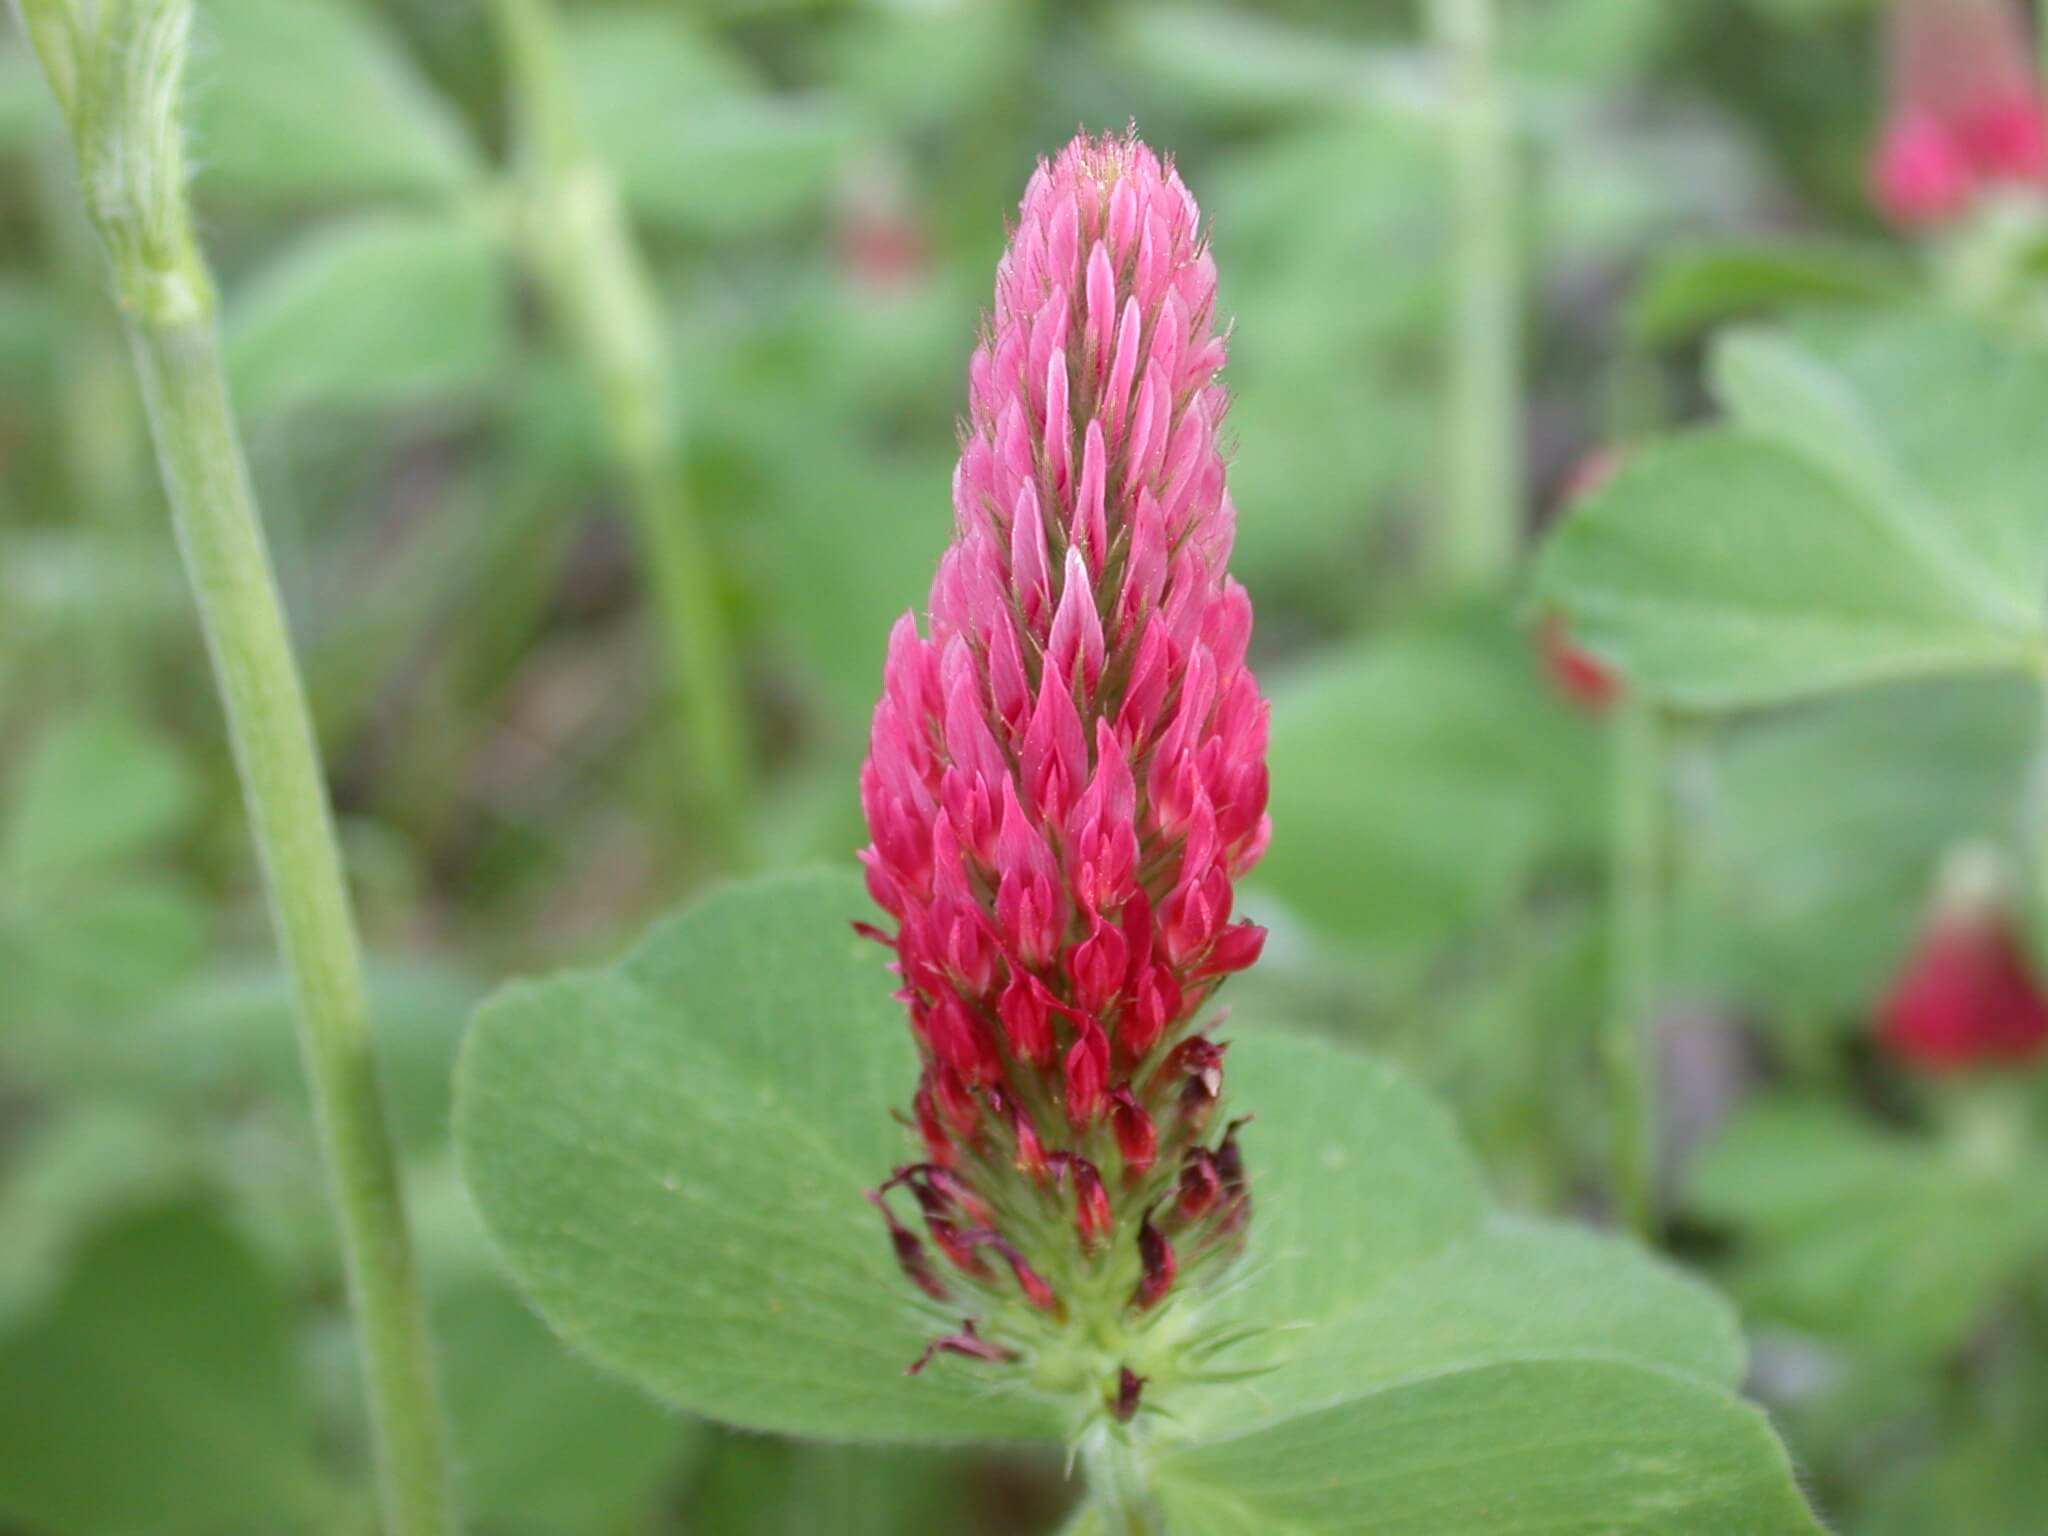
x,y
1067,776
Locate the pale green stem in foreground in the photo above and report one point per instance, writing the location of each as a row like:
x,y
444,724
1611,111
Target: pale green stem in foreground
x,y
1479,521
1118,1494
1636,806
117,83
575,234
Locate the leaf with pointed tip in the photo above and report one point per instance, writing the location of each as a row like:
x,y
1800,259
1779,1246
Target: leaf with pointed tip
x,y
1869,512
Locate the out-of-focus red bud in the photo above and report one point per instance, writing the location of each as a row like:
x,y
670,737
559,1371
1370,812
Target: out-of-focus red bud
x,y
1967,996
1963,111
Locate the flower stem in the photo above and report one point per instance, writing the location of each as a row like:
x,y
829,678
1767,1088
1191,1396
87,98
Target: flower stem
x,y
1479,526
1117,1489
1634,853
576,236
117,82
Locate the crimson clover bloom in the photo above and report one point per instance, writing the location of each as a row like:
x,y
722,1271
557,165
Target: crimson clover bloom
x,y
1967,996
1064,780
1964,114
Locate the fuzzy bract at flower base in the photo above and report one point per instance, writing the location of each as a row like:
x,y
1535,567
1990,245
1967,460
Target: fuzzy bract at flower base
x,y
1066,777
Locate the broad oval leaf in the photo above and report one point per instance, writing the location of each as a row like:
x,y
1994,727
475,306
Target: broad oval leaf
x,y
670,1155
1872,511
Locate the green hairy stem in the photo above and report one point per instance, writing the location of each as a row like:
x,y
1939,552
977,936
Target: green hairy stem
x,y
116,79
1118,1495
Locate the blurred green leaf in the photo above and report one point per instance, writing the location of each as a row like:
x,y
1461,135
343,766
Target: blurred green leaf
x,y
315,100
544,1443
1988,1484
756,1486
96,789
103,948
1695,286
157,1395
1238,59
693,139
1868,513
1601,42
935,65
1417,779
384,310
1819,832
25,106
1858,1233
68,1173
1331,415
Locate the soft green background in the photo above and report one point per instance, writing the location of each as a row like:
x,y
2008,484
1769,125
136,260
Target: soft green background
x,y
466,598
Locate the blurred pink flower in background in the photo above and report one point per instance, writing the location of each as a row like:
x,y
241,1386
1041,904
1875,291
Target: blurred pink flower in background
x,y
1964,109
1967,995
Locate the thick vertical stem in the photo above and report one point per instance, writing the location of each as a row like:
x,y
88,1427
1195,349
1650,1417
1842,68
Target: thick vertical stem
x,y
230,572
1634,860
1117,1490
603,297
116,72
1479,521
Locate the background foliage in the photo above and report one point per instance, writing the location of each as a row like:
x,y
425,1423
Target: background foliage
x,y
818,184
